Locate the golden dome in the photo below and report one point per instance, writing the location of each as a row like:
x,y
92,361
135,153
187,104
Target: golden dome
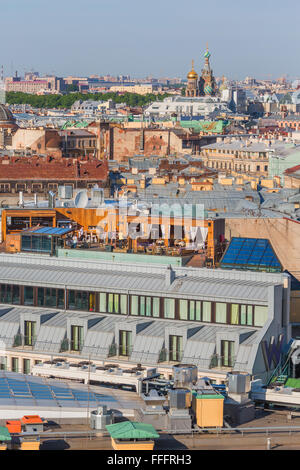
x,y
192,74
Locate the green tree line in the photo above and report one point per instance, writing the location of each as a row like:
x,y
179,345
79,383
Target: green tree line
x,y
67,100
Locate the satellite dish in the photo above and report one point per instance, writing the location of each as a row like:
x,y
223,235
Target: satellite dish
x,y
81,200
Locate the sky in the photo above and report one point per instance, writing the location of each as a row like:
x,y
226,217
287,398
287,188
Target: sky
x,y
157,38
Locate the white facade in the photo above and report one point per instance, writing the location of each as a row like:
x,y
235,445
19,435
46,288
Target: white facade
x,y
196,106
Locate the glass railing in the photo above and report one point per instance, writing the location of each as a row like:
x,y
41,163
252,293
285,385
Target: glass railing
x,y
125,350
218,361
169,355
22,340
64,345
120,350
76,345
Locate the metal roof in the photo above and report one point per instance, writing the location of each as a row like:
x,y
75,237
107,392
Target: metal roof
x,y
118,281
4,434
100,337
150,341
100,275
132,430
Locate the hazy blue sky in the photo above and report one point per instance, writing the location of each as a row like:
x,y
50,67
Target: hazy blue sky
x,y
151,37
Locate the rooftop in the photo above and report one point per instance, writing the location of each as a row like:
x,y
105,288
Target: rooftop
x,y
132,430
41,168
87,274
254,146
19,392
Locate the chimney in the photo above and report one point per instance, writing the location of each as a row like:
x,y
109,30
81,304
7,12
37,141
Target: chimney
x,y
170,276
21,200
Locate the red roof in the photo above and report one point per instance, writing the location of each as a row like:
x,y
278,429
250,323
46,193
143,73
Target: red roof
x,y
293,169
31,419
13,426
49,168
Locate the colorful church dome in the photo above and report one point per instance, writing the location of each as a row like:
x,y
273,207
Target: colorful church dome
x,y
208,90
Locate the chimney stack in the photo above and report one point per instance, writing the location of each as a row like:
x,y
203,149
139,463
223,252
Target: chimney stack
x,y
21,200
170,276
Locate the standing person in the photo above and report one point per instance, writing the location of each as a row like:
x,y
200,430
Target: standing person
x,y
75,240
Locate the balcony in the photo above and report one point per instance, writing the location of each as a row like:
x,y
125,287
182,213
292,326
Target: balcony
x,y
169,355
221,362
68,345
216,361
116,350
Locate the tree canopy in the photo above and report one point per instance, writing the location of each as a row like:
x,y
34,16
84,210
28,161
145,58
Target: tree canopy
x,y
67,100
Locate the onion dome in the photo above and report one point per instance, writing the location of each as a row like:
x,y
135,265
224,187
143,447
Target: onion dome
x,y
192,75
208,90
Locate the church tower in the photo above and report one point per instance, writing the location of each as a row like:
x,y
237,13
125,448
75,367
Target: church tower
x,y
192,84
207,84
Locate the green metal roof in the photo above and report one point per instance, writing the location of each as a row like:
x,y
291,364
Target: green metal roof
x,y
75,124
132,430
294,383
4,434
216,127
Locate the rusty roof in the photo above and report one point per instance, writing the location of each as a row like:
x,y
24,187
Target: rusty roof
x,y
47,168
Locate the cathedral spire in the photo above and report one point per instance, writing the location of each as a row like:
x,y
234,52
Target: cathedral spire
x,y
207,54
207,81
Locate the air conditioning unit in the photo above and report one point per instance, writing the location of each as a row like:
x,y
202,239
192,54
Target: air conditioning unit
x,y
65,192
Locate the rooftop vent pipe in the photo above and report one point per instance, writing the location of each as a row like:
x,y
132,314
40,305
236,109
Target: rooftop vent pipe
x,y
170,276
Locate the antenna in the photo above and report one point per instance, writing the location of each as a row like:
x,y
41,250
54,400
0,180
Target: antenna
x,y
2,87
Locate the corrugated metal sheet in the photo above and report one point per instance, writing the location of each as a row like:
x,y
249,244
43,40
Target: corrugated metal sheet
x,y
58,277
49,339
97,343
146,349
242,358
221,289
100,337
8,331
199,353
201,346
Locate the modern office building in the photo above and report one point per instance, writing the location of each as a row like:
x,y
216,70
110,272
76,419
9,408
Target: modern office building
x,y
154,315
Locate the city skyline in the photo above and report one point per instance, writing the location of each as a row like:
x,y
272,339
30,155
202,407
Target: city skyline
x,y
120,39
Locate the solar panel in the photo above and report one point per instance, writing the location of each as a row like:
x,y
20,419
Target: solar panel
x,y
43,395
26,390
69,403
